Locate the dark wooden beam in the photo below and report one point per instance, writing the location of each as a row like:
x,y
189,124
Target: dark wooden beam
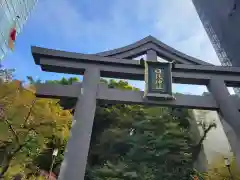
x,y
138,51
152,43
39,53
185,74
43,53
106,95
58,90
223,70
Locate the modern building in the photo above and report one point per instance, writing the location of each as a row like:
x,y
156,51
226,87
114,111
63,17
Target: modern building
x,y
9,11
221,20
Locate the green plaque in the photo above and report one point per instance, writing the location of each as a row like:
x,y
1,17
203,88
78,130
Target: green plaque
x,y
158,80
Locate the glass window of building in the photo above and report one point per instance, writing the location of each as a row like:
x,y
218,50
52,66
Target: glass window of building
x,y
9,10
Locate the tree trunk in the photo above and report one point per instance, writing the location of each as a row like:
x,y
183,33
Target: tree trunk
x,y
5,166
197,148
8,160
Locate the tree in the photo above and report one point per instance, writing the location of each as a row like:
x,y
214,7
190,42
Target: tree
x,y
134,141
64,81
141,143
5,74
33,81
218,170
206,127
44,159
26,124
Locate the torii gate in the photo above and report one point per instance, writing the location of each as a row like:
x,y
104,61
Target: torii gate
x,y
117,63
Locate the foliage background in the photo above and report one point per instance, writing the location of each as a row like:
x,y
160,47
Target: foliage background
x,y
128,141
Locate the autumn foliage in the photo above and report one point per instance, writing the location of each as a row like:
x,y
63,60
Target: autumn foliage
x,y
132,142
27,123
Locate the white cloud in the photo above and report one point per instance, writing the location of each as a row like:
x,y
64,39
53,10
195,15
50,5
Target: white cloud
x,y
63,20
174,22
183,30
175,18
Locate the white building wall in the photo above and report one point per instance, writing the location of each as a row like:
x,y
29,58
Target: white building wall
x,y
216,142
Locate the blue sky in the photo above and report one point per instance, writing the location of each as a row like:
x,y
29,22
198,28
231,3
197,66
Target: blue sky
x,y
92,26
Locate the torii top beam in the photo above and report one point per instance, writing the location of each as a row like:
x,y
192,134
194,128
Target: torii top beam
x,y
114,64
142,46
134,50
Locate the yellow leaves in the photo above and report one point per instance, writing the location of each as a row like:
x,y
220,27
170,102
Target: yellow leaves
x,y
26,121
14,99
65,113
23,110
219,171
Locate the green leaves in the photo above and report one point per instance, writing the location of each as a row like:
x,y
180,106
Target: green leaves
x,y
129,142
137,142
64,81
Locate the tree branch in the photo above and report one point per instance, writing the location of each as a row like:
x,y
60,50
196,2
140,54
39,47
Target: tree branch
x,y
12,130
18,149
29,112
197,148
206,132
4,142
9,157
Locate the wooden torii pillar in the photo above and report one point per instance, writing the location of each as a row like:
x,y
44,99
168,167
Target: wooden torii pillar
x,y
74,164
116,64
